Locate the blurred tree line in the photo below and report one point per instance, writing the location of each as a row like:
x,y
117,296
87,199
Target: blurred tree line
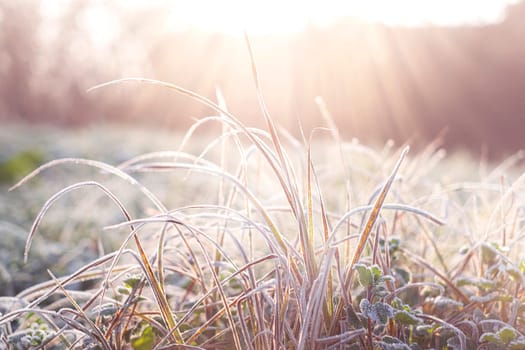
x,y
378,82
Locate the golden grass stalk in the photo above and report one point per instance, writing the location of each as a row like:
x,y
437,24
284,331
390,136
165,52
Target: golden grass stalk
x,y
366,233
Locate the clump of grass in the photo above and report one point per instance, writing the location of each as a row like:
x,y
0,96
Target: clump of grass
x,y
291,253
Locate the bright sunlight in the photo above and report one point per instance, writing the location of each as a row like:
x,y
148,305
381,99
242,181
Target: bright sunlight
x,y
274,16
351,176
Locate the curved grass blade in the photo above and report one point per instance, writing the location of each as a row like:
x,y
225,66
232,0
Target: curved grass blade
x,y
375,211
368,230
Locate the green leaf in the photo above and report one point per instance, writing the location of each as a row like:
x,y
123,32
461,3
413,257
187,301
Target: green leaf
x,y
184,327
490,338
465,281
381,290
406,317
378,312
20,165
507,334
352,317
388,278
425,330
131,281
517,344
393,245
522,265
481,283
403,274
365,275
145,341
394,346
391,340
123,290
515,274
484,298
453,343
368,309
446,304
485,284
506,298
108,309
383,312
488,253
377,274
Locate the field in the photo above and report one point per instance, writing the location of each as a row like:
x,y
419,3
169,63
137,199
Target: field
x,y
252,239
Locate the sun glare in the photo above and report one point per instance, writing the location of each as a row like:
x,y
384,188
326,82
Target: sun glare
x,y
277,16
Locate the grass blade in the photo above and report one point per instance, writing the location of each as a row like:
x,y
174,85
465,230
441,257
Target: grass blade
x,y
368,230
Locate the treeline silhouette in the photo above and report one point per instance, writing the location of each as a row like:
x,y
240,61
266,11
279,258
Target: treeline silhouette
x,y
378,82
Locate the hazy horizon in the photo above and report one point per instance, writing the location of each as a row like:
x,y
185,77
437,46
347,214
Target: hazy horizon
x,y
378,81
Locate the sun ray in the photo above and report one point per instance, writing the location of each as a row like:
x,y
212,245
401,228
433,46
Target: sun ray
x,y
275,16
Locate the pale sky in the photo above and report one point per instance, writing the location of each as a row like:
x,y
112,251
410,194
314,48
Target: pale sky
x,y
293,15
285,16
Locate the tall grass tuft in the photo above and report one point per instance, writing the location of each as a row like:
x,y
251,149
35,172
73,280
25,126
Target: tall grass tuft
x,y
301,246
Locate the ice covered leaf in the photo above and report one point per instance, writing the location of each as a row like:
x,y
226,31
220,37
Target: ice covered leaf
x,y
406,317
383,311
484,298
368,310
488,253
443,304
132,280
517,344
403,275
515,274
490,337
507,334
365,275
352,317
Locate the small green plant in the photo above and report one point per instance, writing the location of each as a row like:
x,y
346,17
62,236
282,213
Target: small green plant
x,y
18,165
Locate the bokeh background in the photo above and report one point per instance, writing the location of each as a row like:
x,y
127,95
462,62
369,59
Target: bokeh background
x,y
379,79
